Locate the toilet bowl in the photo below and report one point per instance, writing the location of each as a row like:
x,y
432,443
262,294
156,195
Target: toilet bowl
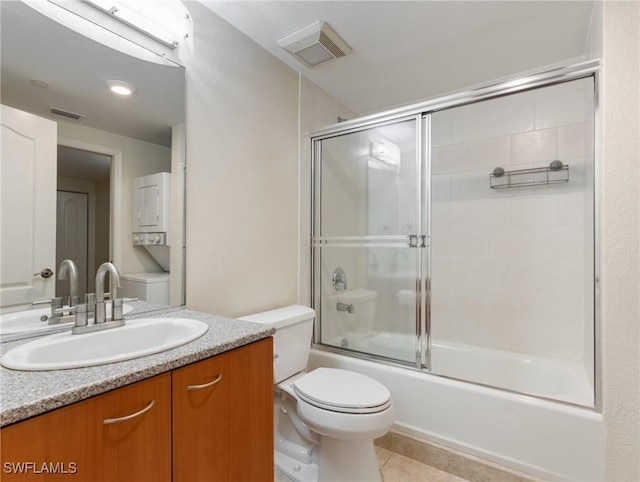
x,y
325,421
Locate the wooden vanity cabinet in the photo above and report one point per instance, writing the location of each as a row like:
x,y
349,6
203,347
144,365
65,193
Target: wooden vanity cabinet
x,y
223,417
73,442
194,431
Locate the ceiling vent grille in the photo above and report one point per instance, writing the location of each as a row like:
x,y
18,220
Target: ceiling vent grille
x,y
316,44
66,113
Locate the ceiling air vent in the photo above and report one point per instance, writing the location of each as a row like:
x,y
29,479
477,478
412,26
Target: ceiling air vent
x,y
316,44
66,113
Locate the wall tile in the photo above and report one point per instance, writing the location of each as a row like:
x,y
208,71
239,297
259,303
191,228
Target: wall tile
x,y
511,115
516,242
571,208
469,123
470,185
440,187
558,108
468,242
489,153
534,211
450,158
573,140
450,214
441,128
534,147
490,213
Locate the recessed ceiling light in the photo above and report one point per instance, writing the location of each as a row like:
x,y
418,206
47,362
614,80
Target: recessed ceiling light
x,y
121,88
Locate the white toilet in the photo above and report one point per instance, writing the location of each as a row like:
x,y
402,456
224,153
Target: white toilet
x,y
325,421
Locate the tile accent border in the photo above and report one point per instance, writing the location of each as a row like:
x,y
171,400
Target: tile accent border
x,y
450,460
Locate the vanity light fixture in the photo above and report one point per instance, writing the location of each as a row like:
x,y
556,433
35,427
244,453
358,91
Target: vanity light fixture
x,y
121,88
134,20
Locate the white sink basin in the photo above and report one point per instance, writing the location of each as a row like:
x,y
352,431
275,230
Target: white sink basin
x,y
137,338
29,321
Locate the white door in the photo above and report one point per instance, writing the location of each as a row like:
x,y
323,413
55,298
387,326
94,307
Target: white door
x,y
27,207
72,237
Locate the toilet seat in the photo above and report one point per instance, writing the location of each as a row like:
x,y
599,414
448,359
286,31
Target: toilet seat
x,y
342,391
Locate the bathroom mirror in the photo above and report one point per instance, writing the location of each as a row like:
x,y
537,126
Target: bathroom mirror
x,y
48,67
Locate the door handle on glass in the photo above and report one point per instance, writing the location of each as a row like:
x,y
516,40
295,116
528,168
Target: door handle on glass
x,y
111,421
205,385
45,273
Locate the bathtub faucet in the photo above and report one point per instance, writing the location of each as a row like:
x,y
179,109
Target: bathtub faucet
x,y
346,307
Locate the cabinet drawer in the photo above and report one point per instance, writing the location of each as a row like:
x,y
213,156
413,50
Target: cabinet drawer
x,y
74,441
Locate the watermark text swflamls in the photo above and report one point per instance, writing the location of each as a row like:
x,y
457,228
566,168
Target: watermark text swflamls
x,y
40,468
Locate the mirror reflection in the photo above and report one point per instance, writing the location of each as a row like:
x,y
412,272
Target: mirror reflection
x,y
105,198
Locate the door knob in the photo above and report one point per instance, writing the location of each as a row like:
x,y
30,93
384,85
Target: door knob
x,y
45,273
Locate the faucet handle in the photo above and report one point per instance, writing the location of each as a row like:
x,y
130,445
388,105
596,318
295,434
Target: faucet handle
x,y
90,300
81,315
116,310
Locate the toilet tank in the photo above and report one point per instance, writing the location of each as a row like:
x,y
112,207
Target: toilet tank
x,y
292,340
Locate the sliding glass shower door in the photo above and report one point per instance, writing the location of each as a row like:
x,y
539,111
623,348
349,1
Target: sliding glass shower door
x,y
367,239
461,240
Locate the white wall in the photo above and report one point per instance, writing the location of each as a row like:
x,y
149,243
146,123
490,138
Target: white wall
x,y
242,172
139,158
620,277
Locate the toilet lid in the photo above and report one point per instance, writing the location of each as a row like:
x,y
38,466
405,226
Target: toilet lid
x,y
342,391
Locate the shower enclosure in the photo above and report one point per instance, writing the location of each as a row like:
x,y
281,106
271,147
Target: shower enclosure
x,y
456,237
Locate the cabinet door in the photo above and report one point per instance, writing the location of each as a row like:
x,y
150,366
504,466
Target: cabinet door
x,y
75,442
223,417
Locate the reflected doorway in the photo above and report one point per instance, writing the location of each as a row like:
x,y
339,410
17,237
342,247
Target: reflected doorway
x,y
83,220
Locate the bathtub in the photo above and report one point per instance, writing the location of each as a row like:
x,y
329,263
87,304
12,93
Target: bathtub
x,y
546,439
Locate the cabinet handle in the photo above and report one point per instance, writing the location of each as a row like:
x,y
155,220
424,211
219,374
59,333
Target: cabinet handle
x,y
109,421
205,385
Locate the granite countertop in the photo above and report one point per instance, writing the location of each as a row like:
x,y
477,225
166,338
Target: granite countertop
x,y
24,394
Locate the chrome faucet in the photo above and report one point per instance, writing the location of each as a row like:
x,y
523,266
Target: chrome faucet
x,y
60,314
101,309
69,266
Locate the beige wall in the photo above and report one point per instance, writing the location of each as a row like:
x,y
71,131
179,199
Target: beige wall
x,y
139,158
242,173
620,283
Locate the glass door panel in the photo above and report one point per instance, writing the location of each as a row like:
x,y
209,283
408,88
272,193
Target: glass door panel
x,y
369,182
366,240
512,253
365,308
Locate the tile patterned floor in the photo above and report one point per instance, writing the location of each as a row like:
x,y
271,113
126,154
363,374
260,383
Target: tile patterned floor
x,y
398,468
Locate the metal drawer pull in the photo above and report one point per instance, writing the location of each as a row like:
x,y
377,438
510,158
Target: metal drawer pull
x,y
109,421
205,385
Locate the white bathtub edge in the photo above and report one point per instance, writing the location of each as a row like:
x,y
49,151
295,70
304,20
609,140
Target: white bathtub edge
x,y
546,439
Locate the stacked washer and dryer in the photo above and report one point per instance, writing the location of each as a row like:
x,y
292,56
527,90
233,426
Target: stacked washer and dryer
x,y
151,212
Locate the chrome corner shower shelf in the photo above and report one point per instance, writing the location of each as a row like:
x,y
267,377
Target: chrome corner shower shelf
x,y
555,173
